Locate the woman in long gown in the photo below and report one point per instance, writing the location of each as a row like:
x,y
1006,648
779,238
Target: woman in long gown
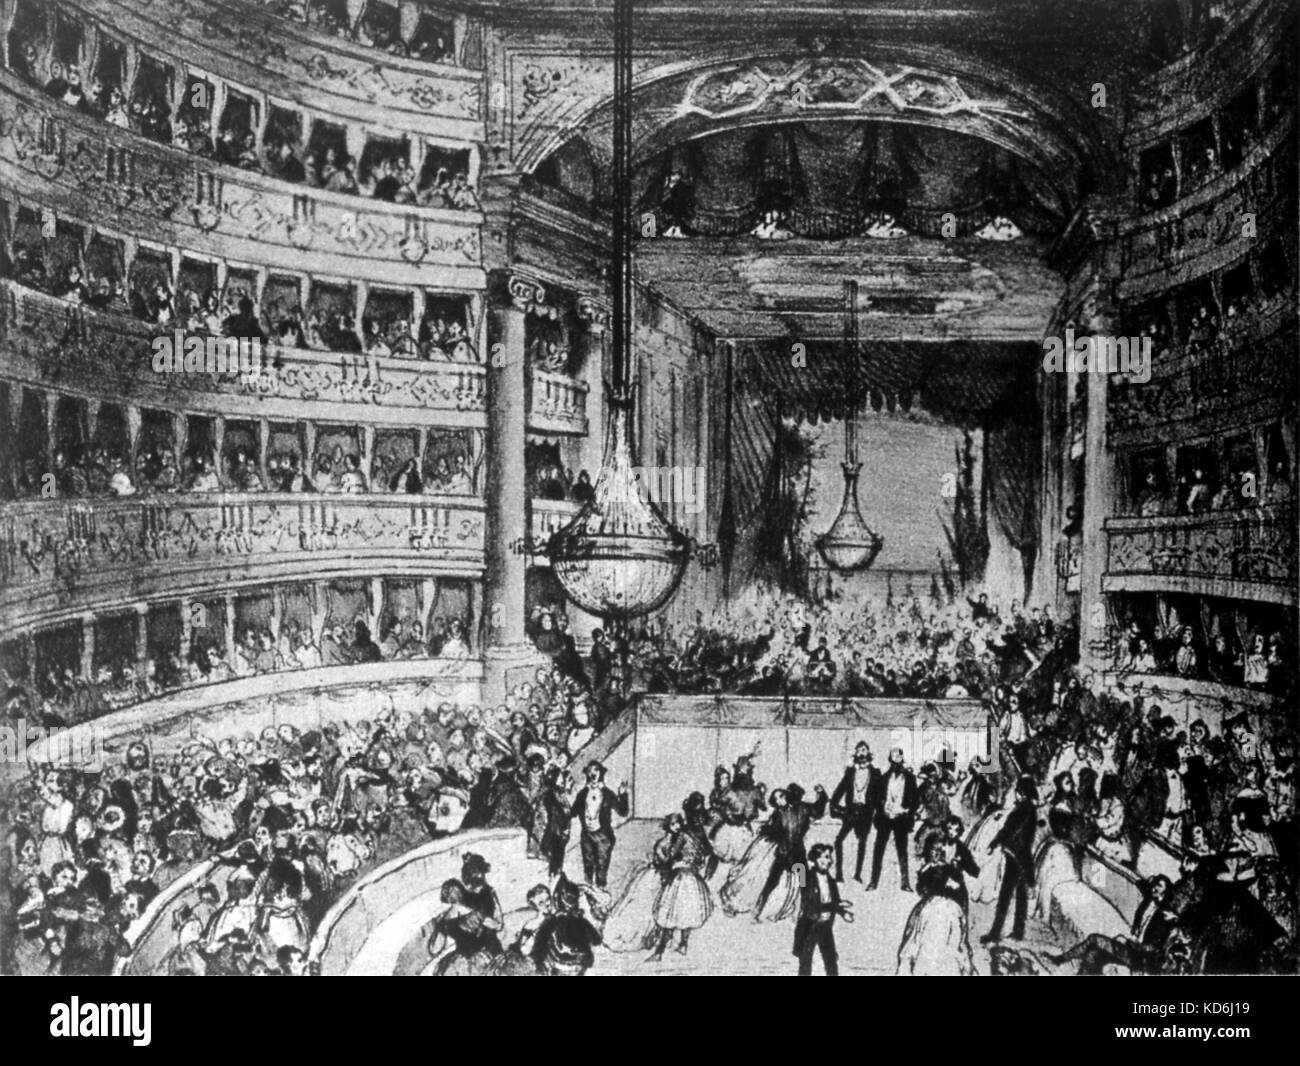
x,y
517,961
732,810
460,926
686,902
935,942
745,882
630,924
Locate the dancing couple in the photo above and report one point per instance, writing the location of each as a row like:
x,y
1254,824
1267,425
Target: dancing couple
x,y
670,895
767,880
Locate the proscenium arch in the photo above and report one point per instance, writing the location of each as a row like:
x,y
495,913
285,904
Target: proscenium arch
x,y
1066,141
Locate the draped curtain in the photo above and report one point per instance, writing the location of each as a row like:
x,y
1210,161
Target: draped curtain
x,y
828,178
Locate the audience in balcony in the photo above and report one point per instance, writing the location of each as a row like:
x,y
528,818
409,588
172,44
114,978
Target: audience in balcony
x,y
430,42
392,178
1258,659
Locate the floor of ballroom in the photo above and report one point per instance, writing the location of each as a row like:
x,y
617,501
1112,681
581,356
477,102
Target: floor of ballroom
x,y
727,945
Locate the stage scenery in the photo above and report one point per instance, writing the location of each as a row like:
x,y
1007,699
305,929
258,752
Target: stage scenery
x,y
648,488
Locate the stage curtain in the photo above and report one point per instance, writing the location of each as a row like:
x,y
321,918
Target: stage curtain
x,y
828,166
1011,474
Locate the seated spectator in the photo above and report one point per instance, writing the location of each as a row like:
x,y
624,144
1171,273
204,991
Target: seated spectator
x,y
352,480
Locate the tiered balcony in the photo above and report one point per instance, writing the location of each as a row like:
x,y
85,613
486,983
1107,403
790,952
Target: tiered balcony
x,y
260,52
60,559
1248,555
122,183
50,343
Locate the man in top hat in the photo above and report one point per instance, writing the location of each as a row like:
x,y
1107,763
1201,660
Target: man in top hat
x,y
894,809
1016,839
851,804
595,805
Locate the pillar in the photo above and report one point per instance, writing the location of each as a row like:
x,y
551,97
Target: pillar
x,y
229,621
500,620
218,106
309,450
1098,505
264,446
141,634
376,598
595,316
51,402
180,439
187,629
277,613
426,592
88,647
219,446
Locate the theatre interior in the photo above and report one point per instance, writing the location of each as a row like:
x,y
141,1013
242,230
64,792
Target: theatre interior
x,y
639,506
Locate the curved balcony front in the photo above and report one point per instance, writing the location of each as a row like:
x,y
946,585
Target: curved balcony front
x,y
50,343
1251,368
1215,225
128,186
61,559
1244,555
47,342
289,62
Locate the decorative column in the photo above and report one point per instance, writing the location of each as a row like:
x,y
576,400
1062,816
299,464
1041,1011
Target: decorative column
x,y
180,439
219,447
309,450
1096,318
51,401
500,622
141,635
88,647
277,613
376,598
187,629
426,592
594,313
218,107
133,423
229,621
264,446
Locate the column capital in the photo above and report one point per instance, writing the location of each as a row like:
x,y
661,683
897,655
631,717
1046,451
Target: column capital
x,y
528,294
594,312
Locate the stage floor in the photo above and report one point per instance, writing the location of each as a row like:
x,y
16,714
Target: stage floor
x,y
739,946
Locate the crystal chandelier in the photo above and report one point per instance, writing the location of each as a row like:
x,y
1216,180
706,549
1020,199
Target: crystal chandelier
x,y
620,558
850,544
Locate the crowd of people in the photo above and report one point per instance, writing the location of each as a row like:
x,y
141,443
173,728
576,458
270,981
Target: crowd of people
x,y
431,42
1092,768
99,472
1258,660
434,337
61,697
1108,773
146,110
769,644
289,819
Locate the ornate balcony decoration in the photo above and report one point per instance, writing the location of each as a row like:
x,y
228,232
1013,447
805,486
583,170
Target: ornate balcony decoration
x,y
58,556
101,175
263,52
1240,554
1252,367
46,341
559,404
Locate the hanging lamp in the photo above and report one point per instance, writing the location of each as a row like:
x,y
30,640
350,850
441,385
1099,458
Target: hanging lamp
x,y
619,558
850,545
